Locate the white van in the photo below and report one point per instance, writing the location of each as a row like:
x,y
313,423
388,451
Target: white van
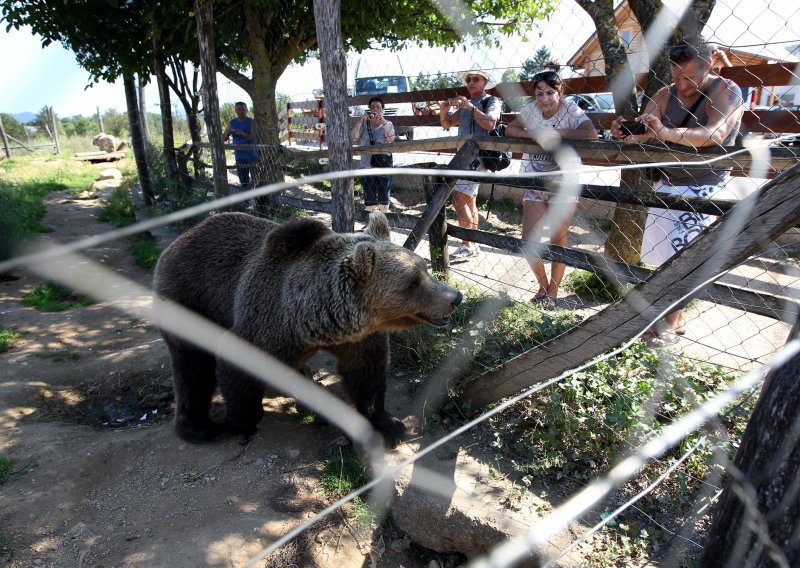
x,y
383,75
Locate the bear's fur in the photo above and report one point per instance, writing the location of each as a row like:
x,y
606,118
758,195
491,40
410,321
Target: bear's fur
x,y
105,142
291,290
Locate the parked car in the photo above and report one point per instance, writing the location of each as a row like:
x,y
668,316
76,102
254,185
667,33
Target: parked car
x,y
593,102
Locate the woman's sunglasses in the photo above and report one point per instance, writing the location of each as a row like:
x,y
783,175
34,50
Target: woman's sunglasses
x,y
472,78
547,77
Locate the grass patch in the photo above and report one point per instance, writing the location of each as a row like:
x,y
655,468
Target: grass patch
x,y
592,286
23,184
59,356
341,476
53,297
7,469
119,208
146,252
516,328
7,337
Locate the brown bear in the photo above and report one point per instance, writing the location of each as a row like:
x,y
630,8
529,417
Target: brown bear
x,y
292,289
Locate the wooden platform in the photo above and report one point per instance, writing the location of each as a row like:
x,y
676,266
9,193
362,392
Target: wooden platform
x,y
99,156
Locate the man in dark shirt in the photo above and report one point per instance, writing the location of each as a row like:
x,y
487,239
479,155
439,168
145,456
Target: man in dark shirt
x,y
699,109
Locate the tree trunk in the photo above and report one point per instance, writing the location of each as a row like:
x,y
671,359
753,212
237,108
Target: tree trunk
x,y
170,162
262,93
204,13
143,111
327,15
137,140
758,516
100,120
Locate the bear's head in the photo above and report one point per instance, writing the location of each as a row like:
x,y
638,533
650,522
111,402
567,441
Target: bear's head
x,y
394,284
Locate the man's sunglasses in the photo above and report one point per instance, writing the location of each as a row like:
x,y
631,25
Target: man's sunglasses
x,y
681,54
472,78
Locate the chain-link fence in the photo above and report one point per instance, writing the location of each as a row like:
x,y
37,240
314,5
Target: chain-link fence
x,y
624,294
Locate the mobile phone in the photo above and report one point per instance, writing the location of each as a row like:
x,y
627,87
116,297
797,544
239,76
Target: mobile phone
x,y
631,127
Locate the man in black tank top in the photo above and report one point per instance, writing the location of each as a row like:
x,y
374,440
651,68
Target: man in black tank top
x,y
699,109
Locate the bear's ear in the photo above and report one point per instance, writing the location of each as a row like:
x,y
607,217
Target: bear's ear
x,y
362,261
292,237
378,226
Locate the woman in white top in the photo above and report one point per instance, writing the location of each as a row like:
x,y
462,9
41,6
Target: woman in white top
x,y
548,113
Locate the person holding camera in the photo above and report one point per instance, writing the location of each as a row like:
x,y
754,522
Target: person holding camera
x,y
476,114
241,128
373,128
699,109
548,115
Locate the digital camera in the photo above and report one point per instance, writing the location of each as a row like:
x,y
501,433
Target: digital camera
x,y
455,102
631,127
370,114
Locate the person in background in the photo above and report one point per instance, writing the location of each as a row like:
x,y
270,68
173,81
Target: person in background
x,y
719,59
699,109
377,189
548,113
241,128
476,115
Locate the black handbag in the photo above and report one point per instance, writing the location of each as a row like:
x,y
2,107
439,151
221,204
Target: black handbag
x,y
378,160
494,160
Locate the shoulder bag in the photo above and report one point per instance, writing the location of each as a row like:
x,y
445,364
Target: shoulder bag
x,y
378,160
494,160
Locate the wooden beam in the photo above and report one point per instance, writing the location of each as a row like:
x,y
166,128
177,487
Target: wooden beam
x,y
759,218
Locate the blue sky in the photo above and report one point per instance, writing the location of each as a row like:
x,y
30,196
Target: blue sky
x,y
33,76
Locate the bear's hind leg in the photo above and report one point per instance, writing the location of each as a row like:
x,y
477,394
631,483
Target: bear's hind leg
x,y
363,366
193,377
243,396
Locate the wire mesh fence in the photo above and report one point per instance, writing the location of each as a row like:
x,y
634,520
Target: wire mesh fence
x,y
601,405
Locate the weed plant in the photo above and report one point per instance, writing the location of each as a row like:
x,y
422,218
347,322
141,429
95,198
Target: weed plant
x,y
146,252
119,207
515,329
593,287
7,338
581,424
340,476
53,297
6,468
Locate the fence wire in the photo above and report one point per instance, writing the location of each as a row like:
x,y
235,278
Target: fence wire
x,y
727,342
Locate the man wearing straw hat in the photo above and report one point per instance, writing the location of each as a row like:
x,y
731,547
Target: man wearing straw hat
x,y
475,115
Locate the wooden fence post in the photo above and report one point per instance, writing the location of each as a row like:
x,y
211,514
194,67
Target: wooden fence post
x,y
56,147
100,120
5,139
437,234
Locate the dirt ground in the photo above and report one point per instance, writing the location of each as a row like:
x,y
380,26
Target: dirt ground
x,y
102,480
100,477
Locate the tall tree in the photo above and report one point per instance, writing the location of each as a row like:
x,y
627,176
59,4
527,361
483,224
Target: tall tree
x,y
758,515
137,138
534,64
204,12
625,238
334,81
270,34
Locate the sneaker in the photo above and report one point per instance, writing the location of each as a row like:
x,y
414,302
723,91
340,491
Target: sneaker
x,y
464,252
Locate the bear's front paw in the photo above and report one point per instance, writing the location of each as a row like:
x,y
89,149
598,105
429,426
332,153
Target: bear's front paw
x,y
390,427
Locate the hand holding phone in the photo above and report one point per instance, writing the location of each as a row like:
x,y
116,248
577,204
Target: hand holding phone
x,y
631,127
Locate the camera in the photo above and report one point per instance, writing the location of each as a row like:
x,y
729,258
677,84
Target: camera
x,y
370,114
631,127
455,102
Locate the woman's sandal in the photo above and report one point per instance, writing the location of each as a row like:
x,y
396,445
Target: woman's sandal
x,y
543,301
656,340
